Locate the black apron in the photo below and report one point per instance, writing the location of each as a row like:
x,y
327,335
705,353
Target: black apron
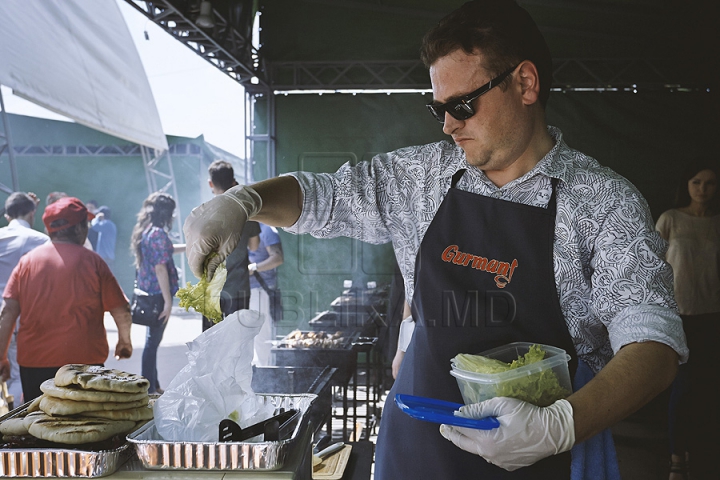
x,y
466,304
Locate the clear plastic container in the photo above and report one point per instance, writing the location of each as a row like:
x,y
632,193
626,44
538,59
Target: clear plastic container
x,y
540,383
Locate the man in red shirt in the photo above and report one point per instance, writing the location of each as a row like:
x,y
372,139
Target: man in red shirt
x,y
63,291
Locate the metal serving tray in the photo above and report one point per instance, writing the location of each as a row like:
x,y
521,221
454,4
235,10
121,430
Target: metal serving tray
x,y
59,462
158,454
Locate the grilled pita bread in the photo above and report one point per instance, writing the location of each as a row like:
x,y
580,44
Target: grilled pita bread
x,y
77,430
13,426
31,417
34,405
134,414
94,377
60,406
81,395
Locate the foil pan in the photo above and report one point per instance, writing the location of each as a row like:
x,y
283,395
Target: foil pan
x,y
59,462
158,454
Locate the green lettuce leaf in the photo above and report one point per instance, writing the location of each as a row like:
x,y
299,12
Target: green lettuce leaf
x,y
204,297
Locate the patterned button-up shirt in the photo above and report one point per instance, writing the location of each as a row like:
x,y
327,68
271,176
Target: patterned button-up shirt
x,y
614,286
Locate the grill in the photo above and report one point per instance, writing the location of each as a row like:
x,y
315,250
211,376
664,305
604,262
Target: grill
x,y
342,356
292,380
364,323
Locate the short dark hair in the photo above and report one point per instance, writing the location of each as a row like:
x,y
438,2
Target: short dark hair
x,y
19,204
53,197
75,234
502,30
222,174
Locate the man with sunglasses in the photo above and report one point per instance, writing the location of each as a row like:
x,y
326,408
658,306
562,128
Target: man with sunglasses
x,y
506,234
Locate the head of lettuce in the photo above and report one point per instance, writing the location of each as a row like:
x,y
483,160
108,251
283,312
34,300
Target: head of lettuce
x,y
204,297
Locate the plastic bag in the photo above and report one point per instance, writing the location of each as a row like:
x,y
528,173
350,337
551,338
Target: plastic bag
x,y
215,384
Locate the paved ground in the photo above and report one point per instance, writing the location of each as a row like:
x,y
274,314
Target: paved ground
x,y
183,328
641,440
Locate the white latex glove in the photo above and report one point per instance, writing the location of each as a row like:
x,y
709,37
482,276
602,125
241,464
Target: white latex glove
x,y
526,433
216,226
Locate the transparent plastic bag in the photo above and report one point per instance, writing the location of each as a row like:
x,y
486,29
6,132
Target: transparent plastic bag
x,y
215,384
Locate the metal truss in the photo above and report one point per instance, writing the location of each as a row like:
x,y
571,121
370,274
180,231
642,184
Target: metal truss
x,y
6,145
100,150
397,74
221,45
568,73
161,178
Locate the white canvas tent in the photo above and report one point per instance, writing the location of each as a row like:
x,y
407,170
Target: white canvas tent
x,y
77,58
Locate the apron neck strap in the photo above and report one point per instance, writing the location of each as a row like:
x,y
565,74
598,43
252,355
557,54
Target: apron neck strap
x,y
456,177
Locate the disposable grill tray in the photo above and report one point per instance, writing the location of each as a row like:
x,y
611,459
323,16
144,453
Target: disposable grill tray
x,y
158,454
48,459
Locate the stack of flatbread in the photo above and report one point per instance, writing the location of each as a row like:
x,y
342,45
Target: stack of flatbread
x,y
84,404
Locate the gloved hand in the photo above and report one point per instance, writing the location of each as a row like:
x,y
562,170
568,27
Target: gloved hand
x,y
526,433
216,226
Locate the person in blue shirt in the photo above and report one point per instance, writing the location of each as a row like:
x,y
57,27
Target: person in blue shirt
x,y
264,292
106,235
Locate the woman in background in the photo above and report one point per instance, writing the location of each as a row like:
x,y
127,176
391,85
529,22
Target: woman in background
x,y
156,272
693,233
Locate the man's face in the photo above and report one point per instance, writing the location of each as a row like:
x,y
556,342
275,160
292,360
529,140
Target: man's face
x,y
498,134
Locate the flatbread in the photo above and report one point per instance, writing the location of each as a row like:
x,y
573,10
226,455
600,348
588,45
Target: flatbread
x,y
77,430
13,426
34,405
105,379
61,406
81,395
134,414
31,417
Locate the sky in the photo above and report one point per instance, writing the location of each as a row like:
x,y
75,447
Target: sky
x,y
193,97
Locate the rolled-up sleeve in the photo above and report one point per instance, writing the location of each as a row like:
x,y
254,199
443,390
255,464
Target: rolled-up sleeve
x,y
633,285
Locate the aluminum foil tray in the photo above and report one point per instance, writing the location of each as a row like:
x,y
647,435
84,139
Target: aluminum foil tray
x,y
59,462
158,454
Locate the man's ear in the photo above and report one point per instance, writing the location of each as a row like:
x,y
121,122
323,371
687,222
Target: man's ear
x,y
529,79
210,184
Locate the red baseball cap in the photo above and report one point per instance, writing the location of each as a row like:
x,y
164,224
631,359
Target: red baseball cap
x,y
70,209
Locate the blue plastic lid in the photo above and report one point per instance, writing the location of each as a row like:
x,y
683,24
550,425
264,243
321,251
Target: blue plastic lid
x,y
440,411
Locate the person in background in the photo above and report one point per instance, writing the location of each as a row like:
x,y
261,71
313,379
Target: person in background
x,y
235,294
53,197
265,296
62,291
692,230
92,207
106,235
156,273
508,206
17,239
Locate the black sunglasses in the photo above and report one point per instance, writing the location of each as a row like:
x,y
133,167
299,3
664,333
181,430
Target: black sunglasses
x,y
461,108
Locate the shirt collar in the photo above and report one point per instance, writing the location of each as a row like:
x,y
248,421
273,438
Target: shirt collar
x,y
18,221
557,163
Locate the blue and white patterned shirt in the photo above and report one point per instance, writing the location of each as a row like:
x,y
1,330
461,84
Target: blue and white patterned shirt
x,y
615,287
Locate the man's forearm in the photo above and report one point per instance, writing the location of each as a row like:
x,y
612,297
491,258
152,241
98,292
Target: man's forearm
x,y
282,201
123,320
638,373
